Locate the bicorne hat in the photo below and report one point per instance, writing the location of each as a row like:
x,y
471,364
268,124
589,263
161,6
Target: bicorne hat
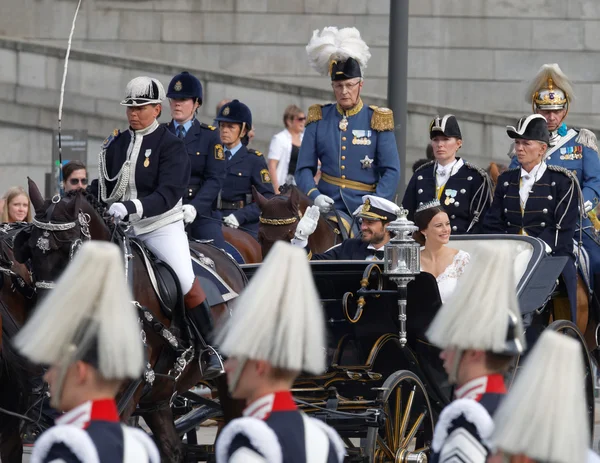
x,y
237,112
533,127
446,126
185,85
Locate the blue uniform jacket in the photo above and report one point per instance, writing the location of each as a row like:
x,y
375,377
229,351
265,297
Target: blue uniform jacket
x,y
350,249
465,197
365,152
549,213
247,168
208,166
160,183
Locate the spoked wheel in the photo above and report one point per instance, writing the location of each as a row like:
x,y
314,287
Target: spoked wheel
x,y
570,329
408,428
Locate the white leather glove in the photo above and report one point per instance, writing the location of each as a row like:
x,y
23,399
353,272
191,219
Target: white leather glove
x,y
324,203
231,221
118,211
588,206
308,223
189,213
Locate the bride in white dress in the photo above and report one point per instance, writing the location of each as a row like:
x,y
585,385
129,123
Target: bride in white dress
x,y
444,263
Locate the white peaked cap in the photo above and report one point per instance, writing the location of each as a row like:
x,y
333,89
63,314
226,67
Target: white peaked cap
x,y
278,317
483,312
339,44
544,415
91,299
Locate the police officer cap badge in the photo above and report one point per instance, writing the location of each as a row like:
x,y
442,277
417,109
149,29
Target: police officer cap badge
x,y
226,111
178,86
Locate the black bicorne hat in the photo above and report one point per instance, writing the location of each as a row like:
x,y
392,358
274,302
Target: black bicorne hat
x,y
533,127
235,111
446,126
185,85
344,70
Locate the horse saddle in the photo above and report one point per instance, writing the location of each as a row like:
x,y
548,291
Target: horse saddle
x,y
343,224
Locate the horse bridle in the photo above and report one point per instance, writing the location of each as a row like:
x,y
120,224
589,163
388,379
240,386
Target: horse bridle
x,y
43,242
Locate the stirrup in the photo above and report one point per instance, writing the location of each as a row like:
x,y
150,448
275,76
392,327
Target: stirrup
x,y
213,367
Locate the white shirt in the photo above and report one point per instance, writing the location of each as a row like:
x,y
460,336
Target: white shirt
x,y
443,173
527,181
280,150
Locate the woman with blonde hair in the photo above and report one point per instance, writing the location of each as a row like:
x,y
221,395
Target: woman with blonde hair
x,y
285,146
17,206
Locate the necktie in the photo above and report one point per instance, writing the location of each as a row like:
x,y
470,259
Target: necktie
x,y
228,155
181,131
377,255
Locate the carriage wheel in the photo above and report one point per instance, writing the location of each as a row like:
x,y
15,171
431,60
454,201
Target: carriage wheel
x,y
568,328
408,427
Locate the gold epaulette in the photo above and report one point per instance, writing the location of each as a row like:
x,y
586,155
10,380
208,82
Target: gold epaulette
x,y
212,127
382,119
315,113
427,164
253,151
112,137
587,138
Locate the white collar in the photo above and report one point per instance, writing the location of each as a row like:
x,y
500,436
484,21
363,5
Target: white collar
x,y
450,169
260,408
536,172
79,416
370,246
148,130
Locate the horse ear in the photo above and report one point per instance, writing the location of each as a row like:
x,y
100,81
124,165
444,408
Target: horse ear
x,y
294,200
21,250
35,196
258,198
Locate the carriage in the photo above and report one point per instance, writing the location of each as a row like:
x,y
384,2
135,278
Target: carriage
x,y
383,397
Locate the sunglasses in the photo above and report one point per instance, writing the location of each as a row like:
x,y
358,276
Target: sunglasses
x,y
76,181
301,118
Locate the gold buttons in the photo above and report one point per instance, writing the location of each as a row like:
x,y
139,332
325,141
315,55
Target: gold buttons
x,y
343,176
343,158
343,138
343,186
343,167
343,148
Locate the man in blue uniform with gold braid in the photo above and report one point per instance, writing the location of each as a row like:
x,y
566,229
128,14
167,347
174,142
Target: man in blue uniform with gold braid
x,y
355,143
550,94
206,154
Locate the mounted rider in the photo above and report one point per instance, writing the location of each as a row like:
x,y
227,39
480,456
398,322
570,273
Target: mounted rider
x,y
87,330
144,173
551,93
479,330
354,143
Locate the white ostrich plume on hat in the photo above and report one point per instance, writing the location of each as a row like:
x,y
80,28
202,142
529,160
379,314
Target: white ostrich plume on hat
x,y
91,298
540,81
278,317
532,420
141,87
477,314
339,44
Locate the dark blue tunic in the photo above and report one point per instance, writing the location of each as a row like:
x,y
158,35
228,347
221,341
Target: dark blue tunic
x,y
351,249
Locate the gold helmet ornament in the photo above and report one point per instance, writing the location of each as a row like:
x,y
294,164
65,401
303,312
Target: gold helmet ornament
x,y
550,89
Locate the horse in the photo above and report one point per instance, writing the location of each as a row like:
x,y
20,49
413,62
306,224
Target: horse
x,y
59,229
244,243
280,215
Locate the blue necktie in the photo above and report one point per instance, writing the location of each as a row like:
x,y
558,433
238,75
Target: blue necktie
x,y
228,154
181,131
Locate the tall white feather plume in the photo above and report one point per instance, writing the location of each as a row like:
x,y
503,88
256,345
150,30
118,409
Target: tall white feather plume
x,y
92,288
341,44
544,415
476,316
540,80
141,87
278,317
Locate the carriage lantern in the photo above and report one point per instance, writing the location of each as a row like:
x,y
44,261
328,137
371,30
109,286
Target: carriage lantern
x,y
402,256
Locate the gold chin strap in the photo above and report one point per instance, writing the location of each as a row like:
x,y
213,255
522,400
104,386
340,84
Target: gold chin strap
x,y
235,378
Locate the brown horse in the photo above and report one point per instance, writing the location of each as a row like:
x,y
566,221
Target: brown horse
x,y
51,251
245,243
280,216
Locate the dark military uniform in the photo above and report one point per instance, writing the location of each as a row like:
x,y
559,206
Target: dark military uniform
x,y
247,168
208,168
466,195
350,249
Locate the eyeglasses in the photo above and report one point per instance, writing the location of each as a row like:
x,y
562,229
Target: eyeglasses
x,y
303,118
76,181
339,86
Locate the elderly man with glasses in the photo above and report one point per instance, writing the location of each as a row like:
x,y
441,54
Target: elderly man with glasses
x,y
355,143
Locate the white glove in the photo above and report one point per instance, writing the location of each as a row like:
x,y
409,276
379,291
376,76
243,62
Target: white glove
x,y
324,203
588,206
118,211
308,223
189,213
231,221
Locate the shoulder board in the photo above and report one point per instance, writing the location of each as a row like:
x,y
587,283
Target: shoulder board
x,y
567,172
253,151
315,113
507,171
472,411
427,164
479,170
77,440
587,138
382,119
206,126
112,137
260,435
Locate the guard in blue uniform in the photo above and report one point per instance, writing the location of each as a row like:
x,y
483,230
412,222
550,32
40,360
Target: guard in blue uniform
x,y
354,143
576,150
246,168
538,199
277,332
478,342
206,155
462,188
88,332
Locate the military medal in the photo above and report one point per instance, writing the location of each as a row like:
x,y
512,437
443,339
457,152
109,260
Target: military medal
x,y
450,194
367,162
343,124
147,154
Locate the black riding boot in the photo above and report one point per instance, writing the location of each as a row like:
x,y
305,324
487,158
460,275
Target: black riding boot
x,y
201,324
